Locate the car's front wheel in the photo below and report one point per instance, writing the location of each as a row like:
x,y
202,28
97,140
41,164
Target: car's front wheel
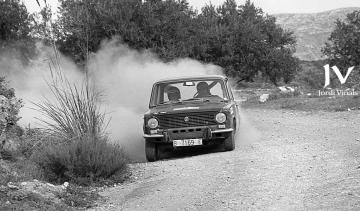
x,y
151,151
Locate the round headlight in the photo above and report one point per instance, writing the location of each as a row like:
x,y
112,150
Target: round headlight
x,y
220,118
152,123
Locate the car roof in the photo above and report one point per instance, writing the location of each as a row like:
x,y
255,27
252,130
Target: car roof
x,y
200,77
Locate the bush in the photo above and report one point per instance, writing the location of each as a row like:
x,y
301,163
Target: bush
x,y
85,160
32,140
21,170
9,107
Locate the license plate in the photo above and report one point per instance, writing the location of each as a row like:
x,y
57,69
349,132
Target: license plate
x,y
187,142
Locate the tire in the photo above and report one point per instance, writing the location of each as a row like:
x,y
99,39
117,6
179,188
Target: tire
x,y
229,143
151,151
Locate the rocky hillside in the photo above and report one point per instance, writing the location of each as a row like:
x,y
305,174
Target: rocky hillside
x,y
312,30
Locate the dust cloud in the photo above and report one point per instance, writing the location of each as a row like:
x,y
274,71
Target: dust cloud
x,y
247,133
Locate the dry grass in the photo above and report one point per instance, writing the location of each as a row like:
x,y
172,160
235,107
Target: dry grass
x,y
74,112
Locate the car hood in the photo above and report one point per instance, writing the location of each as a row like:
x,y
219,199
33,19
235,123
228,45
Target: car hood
x,y
189,107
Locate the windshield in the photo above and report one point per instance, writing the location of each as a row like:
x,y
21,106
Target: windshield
x,y
191,90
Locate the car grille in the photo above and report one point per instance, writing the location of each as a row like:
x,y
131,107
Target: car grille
x,y
167,121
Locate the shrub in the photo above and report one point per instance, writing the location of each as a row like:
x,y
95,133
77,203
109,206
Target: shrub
x,y
83,161
9,107
32,140
21,170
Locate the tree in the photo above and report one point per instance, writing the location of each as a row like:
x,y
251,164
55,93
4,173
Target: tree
x,y
15,29
342,48
246,42
84,24
241,39
162,26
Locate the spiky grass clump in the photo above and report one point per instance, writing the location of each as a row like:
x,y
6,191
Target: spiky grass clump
x,y
83,153
74,112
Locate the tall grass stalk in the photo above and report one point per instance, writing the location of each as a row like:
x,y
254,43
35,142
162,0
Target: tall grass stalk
x,y
74,112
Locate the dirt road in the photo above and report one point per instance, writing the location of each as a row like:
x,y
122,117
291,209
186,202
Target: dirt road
x,y
284,160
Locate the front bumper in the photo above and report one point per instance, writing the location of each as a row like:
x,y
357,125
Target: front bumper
x,y
207,133
229,130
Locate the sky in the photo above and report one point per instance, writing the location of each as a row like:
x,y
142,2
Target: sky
x,y
268,6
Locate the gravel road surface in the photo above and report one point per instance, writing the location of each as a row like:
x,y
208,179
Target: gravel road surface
x,y
284,160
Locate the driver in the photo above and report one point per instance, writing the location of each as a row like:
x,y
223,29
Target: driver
x,y
173,93
203,89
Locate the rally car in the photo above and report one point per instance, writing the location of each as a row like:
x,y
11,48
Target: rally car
x,y
188,112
